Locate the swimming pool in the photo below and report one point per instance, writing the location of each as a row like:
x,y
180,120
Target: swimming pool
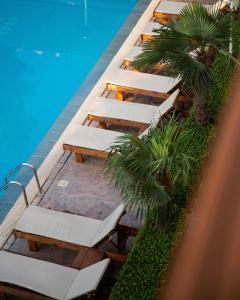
x,y
47,47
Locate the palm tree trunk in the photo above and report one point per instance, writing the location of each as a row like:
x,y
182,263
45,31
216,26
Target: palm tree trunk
x,y
167,181
200,109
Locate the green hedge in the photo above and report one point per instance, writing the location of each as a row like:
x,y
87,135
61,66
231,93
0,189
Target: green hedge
x,y
148,261
138,277
221,75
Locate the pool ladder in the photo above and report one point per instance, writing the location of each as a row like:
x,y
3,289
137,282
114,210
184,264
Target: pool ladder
x,y
19,184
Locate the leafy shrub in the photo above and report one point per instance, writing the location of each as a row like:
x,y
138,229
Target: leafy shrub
x,y
221,73
148,260
138,277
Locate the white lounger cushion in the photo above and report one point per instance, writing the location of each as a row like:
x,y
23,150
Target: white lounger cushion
x,y
133,53
48,279
67,227
143,81
92,138
122,110
148,29
172,7
131,111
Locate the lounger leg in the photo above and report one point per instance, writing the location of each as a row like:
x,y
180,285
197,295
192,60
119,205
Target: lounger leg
x,y
32,246
120,95
79,157
121,239
102,125
136,69
2,296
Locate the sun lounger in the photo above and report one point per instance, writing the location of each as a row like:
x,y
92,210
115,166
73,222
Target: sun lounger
x,y
90,141
132,54
148,32
38,224
167,10
128,113
30,278
141,83
86,140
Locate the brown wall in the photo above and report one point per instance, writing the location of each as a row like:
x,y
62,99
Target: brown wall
x,y
207,265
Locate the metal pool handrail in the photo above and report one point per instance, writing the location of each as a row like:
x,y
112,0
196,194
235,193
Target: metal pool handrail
x,y
19,185
19,167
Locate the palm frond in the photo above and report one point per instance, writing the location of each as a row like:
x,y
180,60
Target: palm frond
x,y
138,168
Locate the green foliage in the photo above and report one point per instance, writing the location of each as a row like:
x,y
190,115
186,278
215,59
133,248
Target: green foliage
x,y
139,276
236,37
140,169
149,258
221,75
195,145
148,261
187,47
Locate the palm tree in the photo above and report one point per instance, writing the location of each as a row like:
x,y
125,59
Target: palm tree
x,y
186,48
146,169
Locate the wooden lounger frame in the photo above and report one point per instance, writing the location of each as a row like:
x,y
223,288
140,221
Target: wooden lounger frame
x,y
165,18
80,151
9,289
127,63
146,37
119,89
122,234
103,121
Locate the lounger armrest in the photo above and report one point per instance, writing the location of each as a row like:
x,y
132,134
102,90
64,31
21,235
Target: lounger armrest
x,y
108,225
165,107
87,280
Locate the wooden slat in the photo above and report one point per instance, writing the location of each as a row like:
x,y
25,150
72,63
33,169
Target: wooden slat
x,y
81,151
165,18
116,121
48,241
66,245
147,37
121,89
20,292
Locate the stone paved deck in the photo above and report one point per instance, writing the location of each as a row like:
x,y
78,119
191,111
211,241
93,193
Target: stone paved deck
x,y
79,189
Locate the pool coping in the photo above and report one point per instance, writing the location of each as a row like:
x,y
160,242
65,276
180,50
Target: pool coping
x,y
48,152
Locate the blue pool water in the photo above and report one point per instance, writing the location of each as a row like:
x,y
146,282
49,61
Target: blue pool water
x,y
47,47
